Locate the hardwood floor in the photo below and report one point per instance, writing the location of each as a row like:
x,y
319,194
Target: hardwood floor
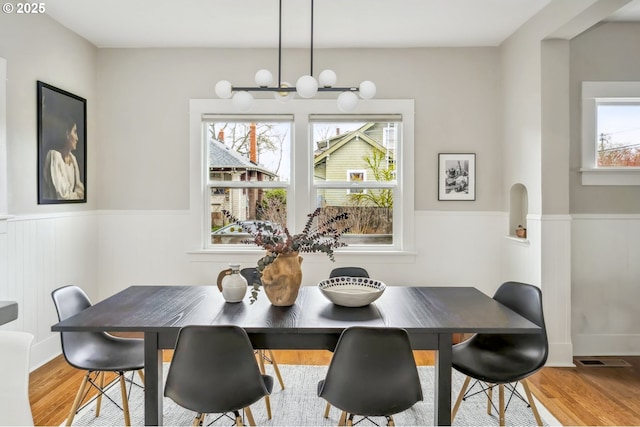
x,y
581,396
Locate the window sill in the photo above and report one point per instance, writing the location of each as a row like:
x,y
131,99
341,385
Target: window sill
x,y
611,176
252,254
518,240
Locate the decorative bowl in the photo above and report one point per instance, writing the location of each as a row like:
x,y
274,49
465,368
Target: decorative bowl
x,y
351,291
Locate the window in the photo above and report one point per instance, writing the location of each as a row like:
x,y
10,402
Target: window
x,y
282,160
359,175
610,133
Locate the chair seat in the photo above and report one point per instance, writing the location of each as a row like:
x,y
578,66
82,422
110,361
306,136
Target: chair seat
x,y
108,354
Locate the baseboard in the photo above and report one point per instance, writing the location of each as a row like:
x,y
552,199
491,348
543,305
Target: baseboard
x,y
44,351
560,355
606,344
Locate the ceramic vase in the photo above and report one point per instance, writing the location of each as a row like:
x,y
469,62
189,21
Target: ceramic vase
x,y
282,278
232,284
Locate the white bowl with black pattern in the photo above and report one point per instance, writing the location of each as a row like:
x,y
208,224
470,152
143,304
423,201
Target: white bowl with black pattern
x,y
352,291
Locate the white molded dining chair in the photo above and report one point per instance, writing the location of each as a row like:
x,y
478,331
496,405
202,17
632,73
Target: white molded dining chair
x,y
15,409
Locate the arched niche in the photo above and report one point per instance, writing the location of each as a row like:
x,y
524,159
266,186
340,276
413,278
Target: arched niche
x,y
518,207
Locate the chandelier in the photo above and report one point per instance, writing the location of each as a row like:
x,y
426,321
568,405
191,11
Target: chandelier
x,y
306,86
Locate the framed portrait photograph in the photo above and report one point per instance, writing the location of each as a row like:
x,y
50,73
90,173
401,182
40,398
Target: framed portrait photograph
x,y
456,176
62,146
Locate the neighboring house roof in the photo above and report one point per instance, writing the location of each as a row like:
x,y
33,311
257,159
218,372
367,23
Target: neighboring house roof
x,y
336,142
221,156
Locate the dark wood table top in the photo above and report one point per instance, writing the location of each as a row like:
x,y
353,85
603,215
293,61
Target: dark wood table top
x,y
426,309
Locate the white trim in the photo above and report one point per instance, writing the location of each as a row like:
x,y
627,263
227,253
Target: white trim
x,y
610,176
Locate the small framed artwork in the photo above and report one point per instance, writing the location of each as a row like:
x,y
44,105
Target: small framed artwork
x,y
62,146
456,176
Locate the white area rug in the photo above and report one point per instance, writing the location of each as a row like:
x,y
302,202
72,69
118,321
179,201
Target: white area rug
x,y
298,405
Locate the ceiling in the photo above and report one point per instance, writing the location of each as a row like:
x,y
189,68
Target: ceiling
x,y
338,23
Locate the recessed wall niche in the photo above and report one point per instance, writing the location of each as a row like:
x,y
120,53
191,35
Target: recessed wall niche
x,y
518,208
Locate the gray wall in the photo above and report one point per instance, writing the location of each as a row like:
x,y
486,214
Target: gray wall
x,y
143,113
606,52
38,48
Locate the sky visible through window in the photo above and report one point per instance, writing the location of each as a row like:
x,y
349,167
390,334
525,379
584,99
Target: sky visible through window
x,y
618,135
620,124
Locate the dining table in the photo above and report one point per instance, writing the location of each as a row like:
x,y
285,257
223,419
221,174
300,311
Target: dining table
x,y
430,315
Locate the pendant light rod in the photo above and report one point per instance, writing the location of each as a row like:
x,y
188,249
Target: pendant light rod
x,y
279,44
311,44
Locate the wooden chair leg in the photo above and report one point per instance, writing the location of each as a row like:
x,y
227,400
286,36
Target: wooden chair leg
x,y
198,420
275,368
343,418
460,396
350,420
501,402
489,398
391,422
78,399
267,402
327,409
252,422
141,375
525,385
99,399
125,399
239,421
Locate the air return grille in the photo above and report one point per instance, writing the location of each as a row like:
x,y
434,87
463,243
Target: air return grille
x,y
595,362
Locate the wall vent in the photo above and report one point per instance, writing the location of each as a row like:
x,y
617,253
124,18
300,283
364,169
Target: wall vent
x,y
594,362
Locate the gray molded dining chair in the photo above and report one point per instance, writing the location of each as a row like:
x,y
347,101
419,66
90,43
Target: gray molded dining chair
x,y
253,276
504,359
96,353
214,371
372,373
349,272
345,272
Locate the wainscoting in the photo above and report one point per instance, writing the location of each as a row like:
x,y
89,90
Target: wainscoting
x,y
106,251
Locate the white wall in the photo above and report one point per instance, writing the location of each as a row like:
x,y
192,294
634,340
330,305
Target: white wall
x,y
452,249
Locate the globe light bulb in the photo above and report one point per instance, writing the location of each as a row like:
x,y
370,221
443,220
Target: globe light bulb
x,y
327,78
264,78
347,101
307,87
223,89
242,101
283,96
367,89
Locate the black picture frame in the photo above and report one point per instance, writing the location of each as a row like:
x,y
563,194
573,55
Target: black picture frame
x,y
457,176
62,164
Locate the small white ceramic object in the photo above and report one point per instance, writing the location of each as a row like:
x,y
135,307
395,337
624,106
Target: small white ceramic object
x,y
232,284
352,291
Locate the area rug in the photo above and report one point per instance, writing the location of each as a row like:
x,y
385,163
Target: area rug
x,y
298,405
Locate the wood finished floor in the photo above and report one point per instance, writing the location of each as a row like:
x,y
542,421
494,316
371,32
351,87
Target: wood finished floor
x,y
581,396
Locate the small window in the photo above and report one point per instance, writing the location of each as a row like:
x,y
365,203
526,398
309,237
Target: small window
x,y
610,133
358,176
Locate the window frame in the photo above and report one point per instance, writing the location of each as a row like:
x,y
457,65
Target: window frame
x,y
301,178
593,94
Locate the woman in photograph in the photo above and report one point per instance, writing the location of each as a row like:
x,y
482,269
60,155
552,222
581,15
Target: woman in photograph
x,y
61,171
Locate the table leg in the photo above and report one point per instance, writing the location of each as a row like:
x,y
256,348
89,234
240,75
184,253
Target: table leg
x,y
442,392
153,380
